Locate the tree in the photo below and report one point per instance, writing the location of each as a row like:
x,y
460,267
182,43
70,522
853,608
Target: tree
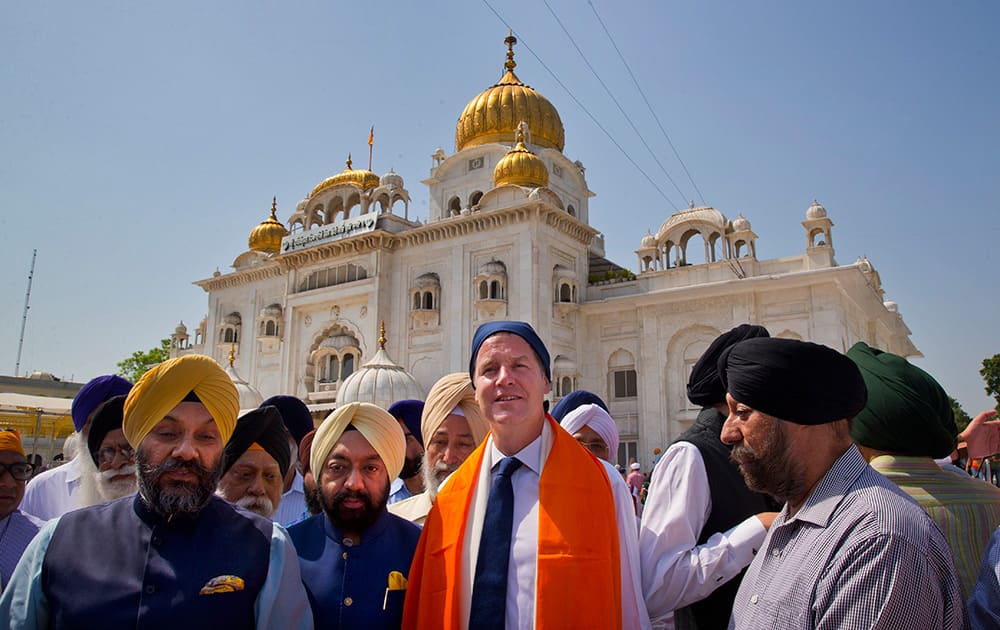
x,y
962,419
140,362
991,374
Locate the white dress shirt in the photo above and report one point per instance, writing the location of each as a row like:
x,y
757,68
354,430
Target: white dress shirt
x,y
292,508
676,570
520,605
55,491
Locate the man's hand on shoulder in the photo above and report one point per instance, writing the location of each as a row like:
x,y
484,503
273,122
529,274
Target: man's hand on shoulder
x,y
766,518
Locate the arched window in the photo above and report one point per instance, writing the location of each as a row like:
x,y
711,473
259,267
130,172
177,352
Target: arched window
x,y
330,369
348,367
622,375
454,207
565,293
416,300
495,290
484,291
428,300
474,198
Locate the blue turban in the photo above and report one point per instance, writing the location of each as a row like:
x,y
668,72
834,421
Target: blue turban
x,y
521,329
294,414
575,399
95,392
792,380
704,387
408,412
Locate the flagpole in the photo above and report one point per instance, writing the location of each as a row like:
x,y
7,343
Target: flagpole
x,y
371,142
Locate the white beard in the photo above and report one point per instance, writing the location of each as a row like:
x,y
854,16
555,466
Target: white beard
x,y
111,490
430,472
89,494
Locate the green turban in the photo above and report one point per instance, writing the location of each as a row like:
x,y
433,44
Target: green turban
x,y
908,412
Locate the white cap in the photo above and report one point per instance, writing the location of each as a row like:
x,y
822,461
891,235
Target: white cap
x,y
635,466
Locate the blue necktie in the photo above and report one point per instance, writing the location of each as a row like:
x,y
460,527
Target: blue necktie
x,y
489,590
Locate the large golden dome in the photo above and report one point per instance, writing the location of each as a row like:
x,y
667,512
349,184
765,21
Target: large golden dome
x,y
266,237
361,178
521,167
495,114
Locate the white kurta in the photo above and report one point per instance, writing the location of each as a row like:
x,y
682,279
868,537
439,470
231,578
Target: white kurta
x,y
676,570
56,491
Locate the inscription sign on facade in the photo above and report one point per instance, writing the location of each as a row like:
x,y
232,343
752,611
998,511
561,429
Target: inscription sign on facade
x,y
328,233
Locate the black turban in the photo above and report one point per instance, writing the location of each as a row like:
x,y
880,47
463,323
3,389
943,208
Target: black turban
x,y
908,412
704,386
797,381
574,399
107,417
263,426
294,414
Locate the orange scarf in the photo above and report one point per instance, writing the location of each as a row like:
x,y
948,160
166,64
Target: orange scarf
x,y
578,579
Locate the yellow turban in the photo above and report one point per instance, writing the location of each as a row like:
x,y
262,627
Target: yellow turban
x,y
452,390
10,440
374,423
166,385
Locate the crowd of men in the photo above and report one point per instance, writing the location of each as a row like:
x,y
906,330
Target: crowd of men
x,y
812,491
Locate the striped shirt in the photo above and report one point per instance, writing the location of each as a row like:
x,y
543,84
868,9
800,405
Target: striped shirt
x,y
984,605
858,554
965,509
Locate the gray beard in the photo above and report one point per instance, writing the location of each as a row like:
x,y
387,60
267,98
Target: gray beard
x,y
431,481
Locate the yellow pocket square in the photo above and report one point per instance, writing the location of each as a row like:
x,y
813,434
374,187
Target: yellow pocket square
x,y
396,583
222,584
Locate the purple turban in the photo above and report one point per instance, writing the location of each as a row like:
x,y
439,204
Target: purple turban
x,y
95,392
408,412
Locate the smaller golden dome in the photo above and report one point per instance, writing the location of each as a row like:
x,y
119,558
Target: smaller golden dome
x,y
361,178
266,237
521,167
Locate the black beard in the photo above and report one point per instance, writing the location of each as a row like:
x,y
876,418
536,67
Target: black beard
x,y
411,467
353,520
170,498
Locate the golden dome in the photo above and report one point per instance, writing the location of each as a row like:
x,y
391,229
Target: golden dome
x,y
521,167
495,114
267,236
361,178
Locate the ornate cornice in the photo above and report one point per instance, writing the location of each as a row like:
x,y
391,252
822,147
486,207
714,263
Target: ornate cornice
x,y
452,227
270,269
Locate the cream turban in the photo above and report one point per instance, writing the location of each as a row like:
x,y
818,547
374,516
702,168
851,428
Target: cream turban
x,y
452,390
166,385
598,420
374,423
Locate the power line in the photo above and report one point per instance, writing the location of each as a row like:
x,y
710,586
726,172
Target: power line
x,y
585,110
646,100
613,98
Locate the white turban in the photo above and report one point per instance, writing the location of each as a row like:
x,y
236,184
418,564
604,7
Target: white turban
x,y
598,420
376,425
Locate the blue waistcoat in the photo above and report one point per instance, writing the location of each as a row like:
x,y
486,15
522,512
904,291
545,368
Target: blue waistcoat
x,y
347,582
119,565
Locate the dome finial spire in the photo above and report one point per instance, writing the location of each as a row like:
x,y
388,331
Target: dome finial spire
x,y
381,336
349,161
232,354
510,40
274,208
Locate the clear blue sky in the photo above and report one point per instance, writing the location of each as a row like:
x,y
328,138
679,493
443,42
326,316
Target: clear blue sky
x,y
141,142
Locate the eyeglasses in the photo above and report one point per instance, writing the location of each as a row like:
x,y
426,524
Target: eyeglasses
x,y
594,447
20,471
107,454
